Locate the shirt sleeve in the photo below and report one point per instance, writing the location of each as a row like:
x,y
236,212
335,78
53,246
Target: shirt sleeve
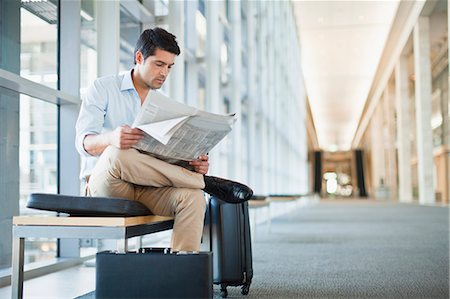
x,y
92,115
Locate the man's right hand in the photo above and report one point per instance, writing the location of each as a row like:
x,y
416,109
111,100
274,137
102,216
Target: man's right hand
x,y
124,137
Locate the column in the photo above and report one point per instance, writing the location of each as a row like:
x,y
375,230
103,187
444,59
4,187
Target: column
x,y
69,82
107,16
191,44
377,149
263,88
424,139
403,130
213,97
270,108
252,99
176,27
389,141
446,125
9,127
235,159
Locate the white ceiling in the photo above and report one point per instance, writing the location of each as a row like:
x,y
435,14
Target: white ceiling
x,y
341,45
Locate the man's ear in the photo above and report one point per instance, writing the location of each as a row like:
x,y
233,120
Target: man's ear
x,y
139,58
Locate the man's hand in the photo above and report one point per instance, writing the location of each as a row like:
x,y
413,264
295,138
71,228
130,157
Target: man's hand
x,y
124,137
201,165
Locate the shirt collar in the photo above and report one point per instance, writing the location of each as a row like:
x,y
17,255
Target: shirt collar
x,y
127,81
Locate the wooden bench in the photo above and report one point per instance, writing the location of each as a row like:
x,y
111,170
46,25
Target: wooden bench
x,y
77,227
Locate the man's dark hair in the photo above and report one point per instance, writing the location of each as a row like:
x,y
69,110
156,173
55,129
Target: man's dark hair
x,y
156,38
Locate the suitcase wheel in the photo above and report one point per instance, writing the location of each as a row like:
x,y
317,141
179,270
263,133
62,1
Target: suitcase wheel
x,y
223,291
245,289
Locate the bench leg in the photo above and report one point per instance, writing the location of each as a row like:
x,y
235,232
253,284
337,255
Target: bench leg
x,y
17,268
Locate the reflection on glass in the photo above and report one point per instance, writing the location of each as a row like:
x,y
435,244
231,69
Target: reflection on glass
x,y
38,57
38,119
88,47
130,29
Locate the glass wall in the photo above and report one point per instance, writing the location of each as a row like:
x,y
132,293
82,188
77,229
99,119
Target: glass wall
x,y
88,47
38,119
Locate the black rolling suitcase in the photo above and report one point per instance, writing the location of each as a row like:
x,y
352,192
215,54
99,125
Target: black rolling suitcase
x,y
227,235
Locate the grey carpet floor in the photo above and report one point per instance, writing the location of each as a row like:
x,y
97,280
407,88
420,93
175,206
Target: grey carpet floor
x,y
352,249
355,249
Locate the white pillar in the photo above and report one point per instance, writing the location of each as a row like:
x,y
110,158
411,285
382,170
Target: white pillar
x,y
270,108
252,99
389,141
108,36
69,81
236,70
190,46
263,98
176,27
107,17
424,139
213,97
445,110
403,130
377,148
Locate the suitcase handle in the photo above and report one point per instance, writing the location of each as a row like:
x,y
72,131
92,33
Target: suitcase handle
x,y
154,249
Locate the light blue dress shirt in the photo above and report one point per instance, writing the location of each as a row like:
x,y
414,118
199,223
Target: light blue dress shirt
x,y
108,103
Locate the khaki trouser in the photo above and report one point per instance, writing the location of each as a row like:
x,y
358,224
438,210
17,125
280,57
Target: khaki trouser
x,y
166,189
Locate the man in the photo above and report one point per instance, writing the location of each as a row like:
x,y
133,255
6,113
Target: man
x,y
113,168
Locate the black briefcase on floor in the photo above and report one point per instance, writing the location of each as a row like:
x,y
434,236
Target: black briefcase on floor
x,y
154,273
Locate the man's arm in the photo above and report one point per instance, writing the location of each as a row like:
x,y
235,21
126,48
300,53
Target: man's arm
x,y
123,137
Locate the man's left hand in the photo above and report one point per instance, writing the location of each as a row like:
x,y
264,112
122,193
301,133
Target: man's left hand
x,y
201,165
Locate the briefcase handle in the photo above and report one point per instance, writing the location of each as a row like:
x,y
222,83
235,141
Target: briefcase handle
x,y
155,250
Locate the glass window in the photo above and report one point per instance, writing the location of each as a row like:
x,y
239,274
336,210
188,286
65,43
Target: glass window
x,y
38,57
38,164
161,8
130,29
88,50
38,119
200,26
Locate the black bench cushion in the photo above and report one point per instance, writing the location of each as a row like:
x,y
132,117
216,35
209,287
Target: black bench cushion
x,y
87,206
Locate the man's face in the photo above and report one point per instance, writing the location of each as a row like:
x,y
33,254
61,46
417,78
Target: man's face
x,y
154,70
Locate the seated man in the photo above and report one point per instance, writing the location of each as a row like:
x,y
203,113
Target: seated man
x,y
113,168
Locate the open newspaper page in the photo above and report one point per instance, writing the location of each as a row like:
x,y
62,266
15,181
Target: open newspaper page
x,y
178,133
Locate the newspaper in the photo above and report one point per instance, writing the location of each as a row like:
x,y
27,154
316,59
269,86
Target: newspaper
x,y
177,133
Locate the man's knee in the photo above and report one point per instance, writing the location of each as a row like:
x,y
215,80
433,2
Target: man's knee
x,y
192,199
116,156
